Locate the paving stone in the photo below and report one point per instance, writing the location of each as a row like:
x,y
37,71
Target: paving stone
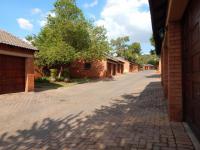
x,y
129,113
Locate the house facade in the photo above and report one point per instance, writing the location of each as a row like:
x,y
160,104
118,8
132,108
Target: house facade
x,y
176,28
92,69
133,67
126,66
16,64
148,67
109,67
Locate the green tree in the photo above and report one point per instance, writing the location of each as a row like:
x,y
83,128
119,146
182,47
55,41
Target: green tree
x,y
153,52
68,36
64,36
152,41
71,24
99,46
120,45
133,52
151,58
135,48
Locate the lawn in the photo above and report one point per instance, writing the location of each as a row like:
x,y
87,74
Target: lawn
x,y
47,85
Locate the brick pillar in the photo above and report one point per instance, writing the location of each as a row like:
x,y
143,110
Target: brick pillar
x,y
162,69
29,75
166,62
159,66
174,71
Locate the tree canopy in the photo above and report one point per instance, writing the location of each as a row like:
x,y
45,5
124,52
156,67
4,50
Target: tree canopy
x,y
68,36
151,58
120,45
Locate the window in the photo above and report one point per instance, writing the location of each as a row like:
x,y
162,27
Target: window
x,y
87,66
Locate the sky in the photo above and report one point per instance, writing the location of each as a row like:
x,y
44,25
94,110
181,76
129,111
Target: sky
x,y
119,17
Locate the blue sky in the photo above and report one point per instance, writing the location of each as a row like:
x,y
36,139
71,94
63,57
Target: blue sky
x,y
119,17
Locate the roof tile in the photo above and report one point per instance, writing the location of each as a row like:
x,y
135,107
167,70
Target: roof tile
x,y
7,38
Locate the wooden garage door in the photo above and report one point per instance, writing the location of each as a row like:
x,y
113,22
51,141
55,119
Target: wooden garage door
x,y
12,74
191,66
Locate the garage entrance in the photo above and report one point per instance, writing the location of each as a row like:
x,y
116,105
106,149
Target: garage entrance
x,y
12,74
191,66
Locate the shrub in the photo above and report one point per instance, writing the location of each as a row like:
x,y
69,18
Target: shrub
x,y
53,73
66,73
60,79
42,80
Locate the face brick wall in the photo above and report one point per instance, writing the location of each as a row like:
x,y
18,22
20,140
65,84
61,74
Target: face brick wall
x,y
165,74
134,67
175,99
126,66
29,74
97,70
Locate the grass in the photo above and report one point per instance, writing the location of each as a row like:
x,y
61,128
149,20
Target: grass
x,y
47,85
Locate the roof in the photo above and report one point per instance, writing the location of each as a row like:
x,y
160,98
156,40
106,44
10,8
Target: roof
x,y
158,9
9,39
112,58
150,65
121,59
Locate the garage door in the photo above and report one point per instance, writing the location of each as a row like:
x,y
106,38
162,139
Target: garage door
x,y
12,74
191,66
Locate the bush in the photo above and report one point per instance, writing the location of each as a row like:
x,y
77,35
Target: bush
x,y
66,73
60,79
53,73
42,80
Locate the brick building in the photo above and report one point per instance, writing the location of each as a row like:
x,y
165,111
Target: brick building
x,y
16,64
93,69
133,67
126,66
109,67
148,67
176,29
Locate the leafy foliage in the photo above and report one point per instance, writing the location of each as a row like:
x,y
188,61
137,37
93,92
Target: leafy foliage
x,y
148,59
135,47
152,41
68,36
99,46
152,58
120,45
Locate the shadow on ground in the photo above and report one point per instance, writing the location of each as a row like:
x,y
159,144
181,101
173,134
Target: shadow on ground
x,y
154,76
40,87
128,123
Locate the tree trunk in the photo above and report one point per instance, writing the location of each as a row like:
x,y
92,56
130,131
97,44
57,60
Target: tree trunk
x,y
60,71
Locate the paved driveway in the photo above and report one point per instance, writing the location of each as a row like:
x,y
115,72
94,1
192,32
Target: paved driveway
x,y
128,112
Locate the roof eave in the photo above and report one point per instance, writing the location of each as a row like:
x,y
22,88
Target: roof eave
x,y
158,11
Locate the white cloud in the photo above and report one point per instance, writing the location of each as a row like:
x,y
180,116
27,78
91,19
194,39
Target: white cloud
x,y
43,22
25,24
25,40
52,14
124,17
92,4
36,11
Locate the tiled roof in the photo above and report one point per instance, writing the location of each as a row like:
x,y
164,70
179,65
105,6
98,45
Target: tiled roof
x,y
150,65
117,59
112,58
121,59
9,39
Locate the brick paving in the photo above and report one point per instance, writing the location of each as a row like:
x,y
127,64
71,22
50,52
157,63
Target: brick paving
x,y
129,113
